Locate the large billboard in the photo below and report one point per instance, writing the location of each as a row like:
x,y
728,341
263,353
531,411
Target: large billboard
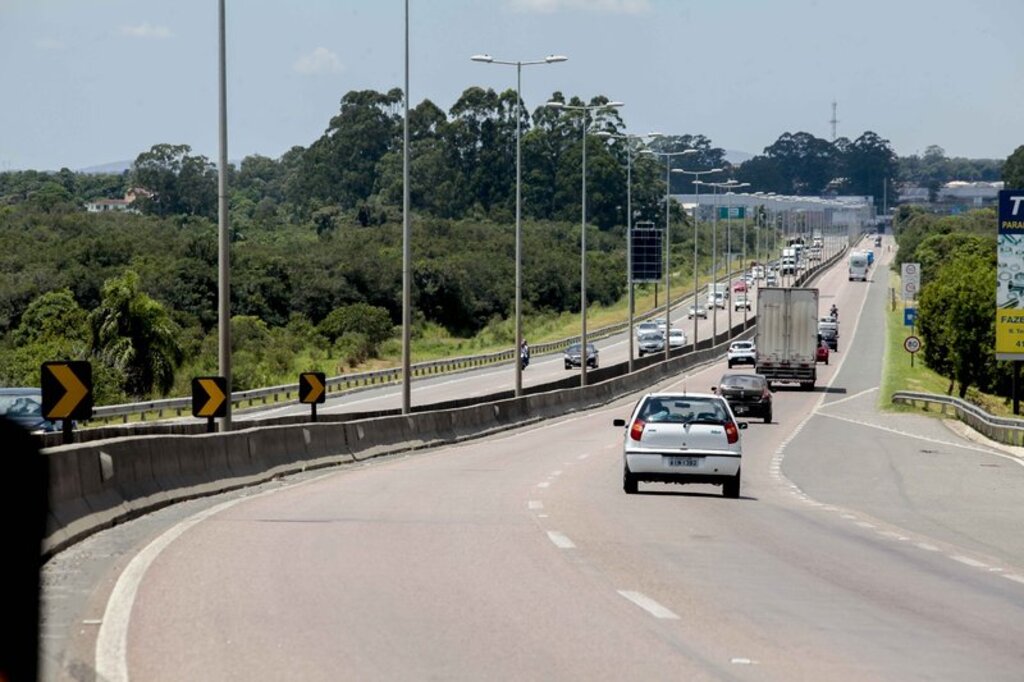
x,y
647,253
1010,276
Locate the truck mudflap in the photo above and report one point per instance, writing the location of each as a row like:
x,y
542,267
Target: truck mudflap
x,y
805,376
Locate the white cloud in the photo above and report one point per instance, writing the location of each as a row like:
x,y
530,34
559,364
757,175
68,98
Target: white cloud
x,y
146,30
604,6
320,60
49,44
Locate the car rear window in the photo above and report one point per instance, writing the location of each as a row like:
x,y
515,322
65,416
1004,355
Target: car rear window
x,y
684,410
742,381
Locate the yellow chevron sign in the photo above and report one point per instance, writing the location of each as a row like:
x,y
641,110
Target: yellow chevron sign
x,y
209,397
67,390
311,387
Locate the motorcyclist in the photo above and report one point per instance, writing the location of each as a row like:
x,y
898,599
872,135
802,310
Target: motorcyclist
x,y
524,354
834,312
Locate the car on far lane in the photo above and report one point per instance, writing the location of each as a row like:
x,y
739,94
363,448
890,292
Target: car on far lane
x,y
682,438
822,351
676,338
698,311
740,302
651,342
741,353
646,328
24,406
574,355
739,286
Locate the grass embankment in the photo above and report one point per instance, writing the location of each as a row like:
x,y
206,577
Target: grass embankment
x,y
898,375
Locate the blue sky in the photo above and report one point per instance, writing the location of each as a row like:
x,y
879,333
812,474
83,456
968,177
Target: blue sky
x,y
86,82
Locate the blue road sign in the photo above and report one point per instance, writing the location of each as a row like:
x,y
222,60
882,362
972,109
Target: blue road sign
x,y
909,317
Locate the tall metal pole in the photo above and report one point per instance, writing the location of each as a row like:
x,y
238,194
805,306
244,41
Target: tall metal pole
x,y
406,242
629,243
696,218
519,235
746,264
714,268
583,260
223,231
728,260
668,250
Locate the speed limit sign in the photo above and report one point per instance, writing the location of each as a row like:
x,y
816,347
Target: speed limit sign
x,y
912,344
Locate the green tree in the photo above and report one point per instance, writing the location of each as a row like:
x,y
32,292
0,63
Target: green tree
x,y
179,183
133,333
361,318
53,315
957,322
1013,169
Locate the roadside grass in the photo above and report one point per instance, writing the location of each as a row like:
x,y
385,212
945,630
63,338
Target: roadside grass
x,y
898,375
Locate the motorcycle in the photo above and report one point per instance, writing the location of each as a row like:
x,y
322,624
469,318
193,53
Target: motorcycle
x,y
524,359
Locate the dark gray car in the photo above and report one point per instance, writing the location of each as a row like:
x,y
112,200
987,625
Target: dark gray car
x,y
24,406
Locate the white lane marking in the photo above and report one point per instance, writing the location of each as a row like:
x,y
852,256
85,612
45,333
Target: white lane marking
x,y
542,516
1014,577
742,661
892,535
544,484
649,605
560,540
928,547
535,504
584,455
556,473
92,621
112,639
968,561
850,397
865,524
915,436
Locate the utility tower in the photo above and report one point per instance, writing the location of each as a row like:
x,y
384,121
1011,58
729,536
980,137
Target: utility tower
x,y
834,120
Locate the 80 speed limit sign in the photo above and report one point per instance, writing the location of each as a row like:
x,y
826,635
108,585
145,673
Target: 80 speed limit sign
x,y
912,344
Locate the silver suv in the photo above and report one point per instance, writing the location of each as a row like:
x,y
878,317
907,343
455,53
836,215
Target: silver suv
x,y
682,438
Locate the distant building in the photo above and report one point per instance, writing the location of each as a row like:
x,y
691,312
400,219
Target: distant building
x,y
122,205
917,196
970,194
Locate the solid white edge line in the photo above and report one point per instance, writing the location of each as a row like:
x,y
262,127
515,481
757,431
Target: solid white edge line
x,y
112,639
649,605
535,504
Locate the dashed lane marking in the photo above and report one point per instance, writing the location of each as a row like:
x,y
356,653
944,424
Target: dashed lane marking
x,y
560,540
649,605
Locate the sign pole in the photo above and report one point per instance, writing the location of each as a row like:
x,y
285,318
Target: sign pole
x,y
312,416
1016,382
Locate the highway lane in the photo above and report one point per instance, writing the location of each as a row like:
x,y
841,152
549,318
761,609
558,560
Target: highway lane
x,y
520,557
493,378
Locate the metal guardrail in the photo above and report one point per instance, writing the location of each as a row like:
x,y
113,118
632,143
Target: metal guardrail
x,y
1006,430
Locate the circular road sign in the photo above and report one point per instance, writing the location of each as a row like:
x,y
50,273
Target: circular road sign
x,y
911,268
912,344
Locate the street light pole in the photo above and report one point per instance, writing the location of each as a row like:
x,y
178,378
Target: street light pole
x,y
223,226
696,182
487,59
585,110
630,139
406,241
668,240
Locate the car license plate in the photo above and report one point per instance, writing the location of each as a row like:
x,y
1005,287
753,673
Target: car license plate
x,y
683,461
740,409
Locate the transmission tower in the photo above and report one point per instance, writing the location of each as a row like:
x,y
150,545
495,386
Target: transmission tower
x,y
834,120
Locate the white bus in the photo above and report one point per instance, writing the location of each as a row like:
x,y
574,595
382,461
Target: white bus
x,y
858,266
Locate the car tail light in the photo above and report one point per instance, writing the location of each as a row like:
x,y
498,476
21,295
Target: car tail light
x,y
636,431
731,432
766,394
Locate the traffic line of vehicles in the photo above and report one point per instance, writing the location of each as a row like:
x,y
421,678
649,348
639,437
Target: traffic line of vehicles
x,y
683,437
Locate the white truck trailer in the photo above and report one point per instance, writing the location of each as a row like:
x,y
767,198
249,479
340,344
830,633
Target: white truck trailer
x,y
859,266
787,335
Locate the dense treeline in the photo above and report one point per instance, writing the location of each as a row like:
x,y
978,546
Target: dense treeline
x,y
316,237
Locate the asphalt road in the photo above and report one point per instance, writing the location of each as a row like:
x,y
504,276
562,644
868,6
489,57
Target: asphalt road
x,y
865,546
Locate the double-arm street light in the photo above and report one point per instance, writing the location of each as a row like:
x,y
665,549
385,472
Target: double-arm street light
x,y
697,182
668,241
729,186
488,59
585,111
631,141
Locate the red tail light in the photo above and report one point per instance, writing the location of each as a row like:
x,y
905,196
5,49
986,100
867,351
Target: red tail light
x,y
766,394
731,432
636,431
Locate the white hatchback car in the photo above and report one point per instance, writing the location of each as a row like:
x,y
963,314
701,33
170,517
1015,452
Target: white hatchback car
x,y
682,438
741,353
